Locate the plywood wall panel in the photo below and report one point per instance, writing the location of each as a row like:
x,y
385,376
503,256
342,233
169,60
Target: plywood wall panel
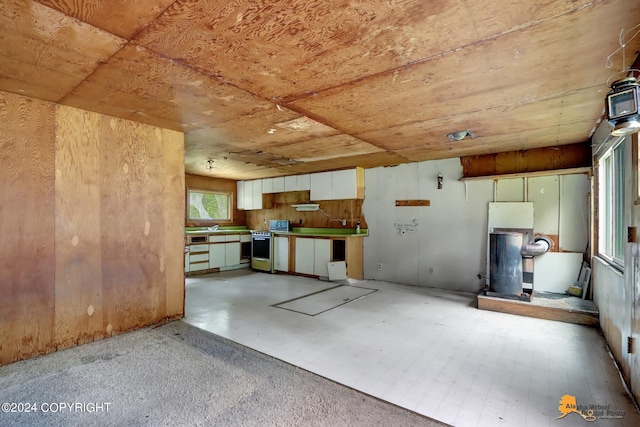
x,y
172,261
78,233
132,225
26,227
91,226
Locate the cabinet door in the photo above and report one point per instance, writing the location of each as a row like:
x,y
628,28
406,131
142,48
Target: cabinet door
x,y
303,182
304,255
232,253
267,185
186,262
344,184
321,184
240,194
248,195
290,183
321,256
278,184
281,254
216,255
257,194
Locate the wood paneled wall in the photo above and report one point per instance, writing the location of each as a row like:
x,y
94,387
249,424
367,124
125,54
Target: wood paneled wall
x,y
198,182
91,217
351,210
534,160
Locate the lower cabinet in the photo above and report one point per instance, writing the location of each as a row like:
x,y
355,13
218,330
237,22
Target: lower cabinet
x,y
321,256
232,253
312,256
216,251
198,257
304,255
281,253
219,251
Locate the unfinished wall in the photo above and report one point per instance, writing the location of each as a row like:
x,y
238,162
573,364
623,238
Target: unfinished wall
x,y
91,218
616,293
198,182
443,245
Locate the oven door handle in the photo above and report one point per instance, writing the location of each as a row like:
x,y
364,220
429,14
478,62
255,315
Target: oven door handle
x,y
262,238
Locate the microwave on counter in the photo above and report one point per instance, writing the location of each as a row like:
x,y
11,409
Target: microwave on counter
x,y
279,225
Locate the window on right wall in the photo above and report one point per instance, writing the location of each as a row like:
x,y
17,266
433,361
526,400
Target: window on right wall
x,y
611,227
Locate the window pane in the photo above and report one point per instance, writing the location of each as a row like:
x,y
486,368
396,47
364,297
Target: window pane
x,y
205,205
607,217
618,170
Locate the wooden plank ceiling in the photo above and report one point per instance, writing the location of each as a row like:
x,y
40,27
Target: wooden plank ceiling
x,y
268,88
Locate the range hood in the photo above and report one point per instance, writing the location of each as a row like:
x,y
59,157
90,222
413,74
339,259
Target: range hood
x,y
307,207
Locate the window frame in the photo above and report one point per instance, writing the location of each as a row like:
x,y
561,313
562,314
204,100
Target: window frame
x,y
208,221
612,236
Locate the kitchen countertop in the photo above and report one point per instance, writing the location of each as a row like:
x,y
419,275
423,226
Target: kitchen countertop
x,y
296,231
221,230
323,232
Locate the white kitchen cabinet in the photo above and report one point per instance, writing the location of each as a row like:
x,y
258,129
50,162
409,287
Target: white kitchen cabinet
x,y
217,255
232,253
344,185
297,182
321,186
256,195
232,249
312,256
305,262
338,185
186,262
267,185
198,257
281,253
240,194
277,185
216,251
321,256
248,195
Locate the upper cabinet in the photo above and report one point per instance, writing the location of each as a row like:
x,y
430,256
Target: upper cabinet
x,y
296,182
273,185
240,194
338,185
249,194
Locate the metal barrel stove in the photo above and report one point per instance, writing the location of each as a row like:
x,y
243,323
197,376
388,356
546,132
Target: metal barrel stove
x,y
505,269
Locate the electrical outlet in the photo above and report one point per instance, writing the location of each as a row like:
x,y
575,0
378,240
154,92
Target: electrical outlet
x,y
344,222
265,220
379,266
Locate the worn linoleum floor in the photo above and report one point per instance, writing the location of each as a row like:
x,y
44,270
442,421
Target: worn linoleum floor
x,y
424,349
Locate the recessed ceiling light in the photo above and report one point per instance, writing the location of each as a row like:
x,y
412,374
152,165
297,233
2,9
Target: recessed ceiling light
x,y
272,130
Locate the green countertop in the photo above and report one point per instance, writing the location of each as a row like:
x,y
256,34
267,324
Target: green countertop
x,y
323,232
295,231
228,229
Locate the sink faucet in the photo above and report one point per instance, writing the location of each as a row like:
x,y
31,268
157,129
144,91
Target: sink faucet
x,y
213,228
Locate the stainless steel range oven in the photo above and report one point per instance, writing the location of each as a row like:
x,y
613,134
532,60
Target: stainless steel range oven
x,y
261,250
